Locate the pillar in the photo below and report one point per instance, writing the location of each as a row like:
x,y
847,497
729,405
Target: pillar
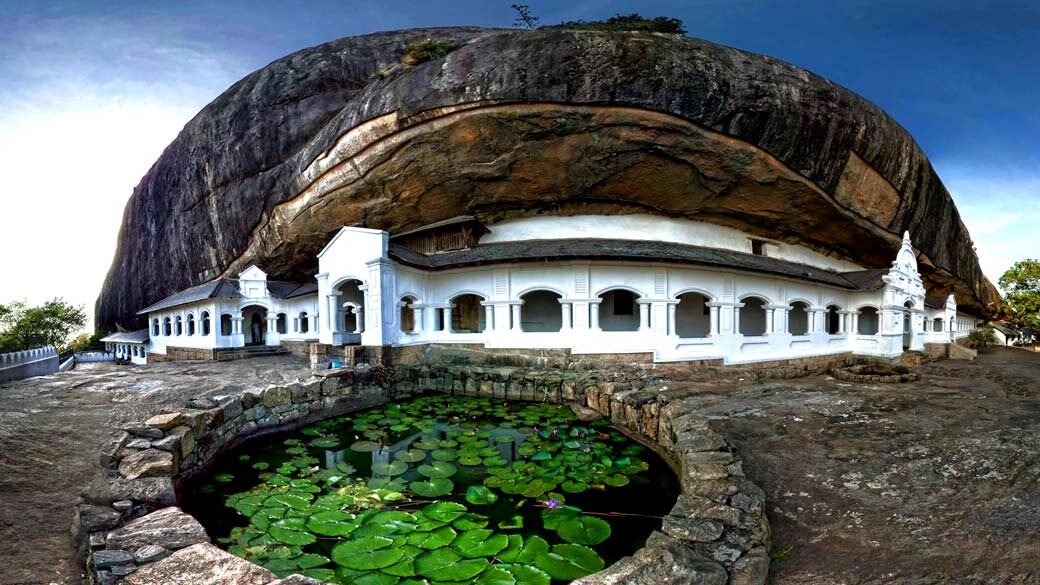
x,y
429,320
489,318
842,316
713,323
736,320
594,316
447,319
855,322
770,315
314,322
417,318
672,308
360,321
514,309
333,312
644,317
566,307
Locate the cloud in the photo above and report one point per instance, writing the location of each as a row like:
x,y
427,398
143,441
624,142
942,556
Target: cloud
x,y
1002,212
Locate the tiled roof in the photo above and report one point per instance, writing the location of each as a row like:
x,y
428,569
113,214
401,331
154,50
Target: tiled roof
x,y
227,288
866,279
595,249
127,337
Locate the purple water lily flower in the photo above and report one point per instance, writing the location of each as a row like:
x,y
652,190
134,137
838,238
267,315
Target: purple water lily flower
x,y
553,503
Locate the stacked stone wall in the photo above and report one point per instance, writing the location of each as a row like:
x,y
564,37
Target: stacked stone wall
x,y
716,534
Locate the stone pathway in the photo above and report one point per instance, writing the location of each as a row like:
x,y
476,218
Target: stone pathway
x,y
51,431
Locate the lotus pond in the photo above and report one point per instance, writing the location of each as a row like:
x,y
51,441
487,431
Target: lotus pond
x,y
438,490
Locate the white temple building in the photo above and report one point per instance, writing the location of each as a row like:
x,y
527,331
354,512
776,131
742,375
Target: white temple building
x,y
674,288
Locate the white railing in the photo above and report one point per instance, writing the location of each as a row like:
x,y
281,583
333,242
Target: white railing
x,y
19,358
95,356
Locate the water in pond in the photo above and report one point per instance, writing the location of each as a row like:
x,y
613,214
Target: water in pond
x,y
437,490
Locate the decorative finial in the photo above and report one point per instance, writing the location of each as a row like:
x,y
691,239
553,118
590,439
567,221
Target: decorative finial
x,y
906,238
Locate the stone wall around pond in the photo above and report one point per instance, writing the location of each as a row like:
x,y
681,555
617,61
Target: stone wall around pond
x,y
717,532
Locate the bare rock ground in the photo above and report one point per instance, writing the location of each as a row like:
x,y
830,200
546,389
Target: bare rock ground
x,y
936,482
51,431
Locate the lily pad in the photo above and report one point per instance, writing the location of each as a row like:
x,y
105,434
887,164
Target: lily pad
x,y
444,511
568,562
366,554
438,469
583,529
480,496
447,565
325,442
432,488
389,468
410,455
364,446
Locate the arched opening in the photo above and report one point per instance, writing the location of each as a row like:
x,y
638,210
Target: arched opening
x,y
191,324
304,323
351,299
255,324
225,324
205,323
155,328
833,320
467,314
541,311
281,324
798,319
692,315
868,321
908,327
753,317
167,328
178,326
937,325
407,314
618,311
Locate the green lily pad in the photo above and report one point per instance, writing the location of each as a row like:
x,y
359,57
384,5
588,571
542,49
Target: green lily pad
x,y
526,574
366,554
291,532
389,467
310,560
223,478
568,562
444,511
583,529
444,454
433,540
432,488
480,495
410,455
364,446
438,469
480,543
447,565
325,442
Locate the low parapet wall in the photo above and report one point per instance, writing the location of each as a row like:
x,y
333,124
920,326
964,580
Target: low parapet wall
x,y
716,534
26,364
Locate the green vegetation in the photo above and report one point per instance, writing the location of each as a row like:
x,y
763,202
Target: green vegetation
x,y
628,22
428,50
452,485
52,323
981,338
1021,285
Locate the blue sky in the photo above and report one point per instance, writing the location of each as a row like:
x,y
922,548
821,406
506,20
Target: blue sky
x,y
91,92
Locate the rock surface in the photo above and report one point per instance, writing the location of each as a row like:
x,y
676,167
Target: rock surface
x,y
169,528
517,123
201,564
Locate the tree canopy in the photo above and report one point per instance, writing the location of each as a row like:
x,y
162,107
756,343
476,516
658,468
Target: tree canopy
x,y
52,323
1021,285
628,22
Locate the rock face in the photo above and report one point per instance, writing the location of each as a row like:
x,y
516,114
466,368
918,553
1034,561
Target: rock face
x,y
516,123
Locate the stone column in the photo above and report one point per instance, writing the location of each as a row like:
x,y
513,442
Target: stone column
x,y
333,312
672,307
417,318
489,318
770,315
855,322
360,321
842,316
314,323
514,309
566,307
644,317
736,320
447,319
429,319
594,316
713,322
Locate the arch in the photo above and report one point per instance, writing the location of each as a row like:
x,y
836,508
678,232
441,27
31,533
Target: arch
x,y
537,288
352,302
281,323
630,289
753,315
937,324
866,306
191,324
226,327
178,325
755,295
700,291
692,314
869,320
618,309
254,324
541,310
467,313
303,324
833,319
407,319
908,303
798,318
205,322
155,327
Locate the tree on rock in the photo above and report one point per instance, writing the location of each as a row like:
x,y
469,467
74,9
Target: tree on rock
x,y
1021,285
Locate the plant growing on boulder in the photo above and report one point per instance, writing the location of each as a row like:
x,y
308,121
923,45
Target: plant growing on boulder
x,y
427,50
628,22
